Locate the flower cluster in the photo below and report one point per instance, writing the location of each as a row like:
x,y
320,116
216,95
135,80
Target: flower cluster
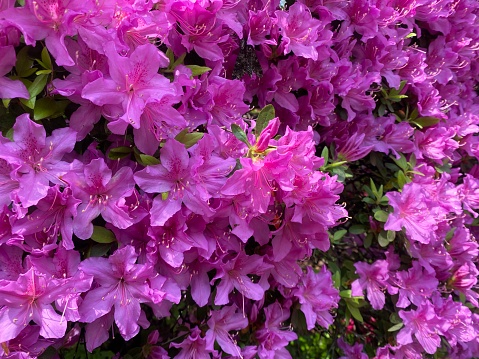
x,y
212,178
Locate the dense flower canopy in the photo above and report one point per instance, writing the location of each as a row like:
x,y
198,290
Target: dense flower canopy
x,y
213,178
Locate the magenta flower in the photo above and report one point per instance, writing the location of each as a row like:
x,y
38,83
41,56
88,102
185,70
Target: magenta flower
x,y
101,193
299,31
317,296
423,323
174,176
272,339
414,285
122,284
37,159
194,346
30,298
411,213
374,278
220,324
54,216
234,274
10,88
134,80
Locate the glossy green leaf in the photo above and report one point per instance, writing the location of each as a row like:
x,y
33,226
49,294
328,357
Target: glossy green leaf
x,y
47,107
198,70
147,160
189,139
102,235
381,216
24,64
265,115
396,327
240,134
426,121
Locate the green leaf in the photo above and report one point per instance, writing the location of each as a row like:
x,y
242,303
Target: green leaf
x,y
46,60
391,235
337,278
374,190
240,134
30,103
381,216
148,160
102,235
37,85
265,115
43,72
382,239
24,63
402,179
401,162
368,240
170,56
325,155
198,70
345,293
100,249
355,312
339,234
412,34
425,121
357,229
164,196
189,139
47,107
6,102
396,327
179,61
119,152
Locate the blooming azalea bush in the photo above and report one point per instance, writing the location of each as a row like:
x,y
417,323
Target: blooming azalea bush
x,y
212,179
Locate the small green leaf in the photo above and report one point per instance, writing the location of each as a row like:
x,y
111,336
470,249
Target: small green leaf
x,y
189,139
396,327
100,249
339,234
368,240
148,160
24,63
401,162
198,70
46,60
412,34
170,56
6,102
325,155
425,121
47,107
265,115
402,179
337,278
240,134
357,229
164,196
374,190
179,61
391,235
355,312
119,152
43,72
345,293
381,216
382,239
37,85
30,103
102,235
